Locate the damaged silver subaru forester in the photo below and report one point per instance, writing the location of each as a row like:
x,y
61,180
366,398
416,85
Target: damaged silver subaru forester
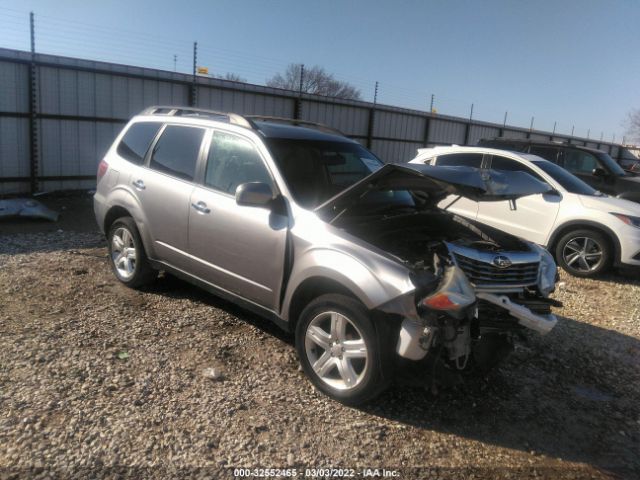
x,y
309,229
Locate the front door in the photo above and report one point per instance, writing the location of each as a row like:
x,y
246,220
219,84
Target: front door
x,y
237,248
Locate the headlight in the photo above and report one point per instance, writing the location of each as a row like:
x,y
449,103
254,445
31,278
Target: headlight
x,y
453,295
628,219
548,271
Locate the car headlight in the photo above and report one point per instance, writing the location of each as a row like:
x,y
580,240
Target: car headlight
x,y
454,294
628,219
548,271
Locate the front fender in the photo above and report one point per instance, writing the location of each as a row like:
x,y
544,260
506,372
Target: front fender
x,y
374,282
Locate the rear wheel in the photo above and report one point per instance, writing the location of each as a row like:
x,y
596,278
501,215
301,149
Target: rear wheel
x,y
126,254
340,350
584,253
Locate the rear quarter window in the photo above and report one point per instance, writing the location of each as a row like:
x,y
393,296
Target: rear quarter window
x,y
135,142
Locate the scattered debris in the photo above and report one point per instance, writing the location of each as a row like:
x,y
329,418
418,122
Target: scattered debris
x,y
212,373
26,207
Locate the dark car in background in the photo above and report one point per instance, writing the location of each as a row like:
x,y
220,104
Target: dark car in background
x,y
593,166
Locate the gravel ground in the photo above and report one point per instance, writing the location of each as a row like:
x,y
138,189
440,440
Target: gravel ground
x,y
97,380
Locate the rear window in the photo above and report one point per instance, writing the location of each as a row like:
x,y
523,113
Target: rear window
x,y
176,152
135,143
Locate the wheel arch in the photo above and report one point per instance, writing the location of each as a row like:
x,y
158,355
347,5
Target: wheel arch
x,y
307,290
586,224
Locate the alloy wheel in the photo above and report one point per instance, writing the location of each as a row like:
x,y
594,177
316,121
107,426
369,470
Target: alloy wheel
x,y
336,350
123,252
583,254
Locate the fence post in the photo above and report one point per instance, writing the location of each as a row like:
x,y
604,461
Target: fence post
x,y
427,125
192,89
372,117
467,130
297,106
504,124
33,111
530,128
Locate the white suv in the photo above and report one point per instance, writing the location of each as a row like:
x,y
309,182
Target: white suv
x,y
586,230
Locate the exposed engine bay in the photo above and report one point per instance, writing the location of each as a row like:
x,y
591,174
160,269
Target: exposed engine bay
x,y
476,287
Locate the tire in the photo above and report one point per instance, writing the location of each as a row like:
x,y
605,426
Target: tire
x,y
130,268
584,253
351,378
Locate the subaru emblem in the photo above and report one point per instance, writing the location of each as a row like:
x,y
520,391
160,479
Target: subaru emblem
x,y
501,261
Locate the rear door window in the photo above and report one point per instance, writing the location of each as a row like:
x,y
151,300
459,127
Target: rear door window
x,y
460,160
177,150
232,161
578,161
548,153
136,141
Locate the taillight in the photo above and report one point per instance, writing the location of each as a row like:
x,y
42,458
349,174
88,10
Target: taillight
x,y
102,169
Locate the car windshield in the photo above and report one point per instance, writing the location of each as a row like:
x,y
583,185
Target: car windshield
x,y
316,170
611,164
569,182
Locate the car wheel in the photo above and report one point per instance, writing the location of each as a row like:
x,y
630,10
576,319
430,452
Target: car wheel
x,y
584,253
340,349
127,256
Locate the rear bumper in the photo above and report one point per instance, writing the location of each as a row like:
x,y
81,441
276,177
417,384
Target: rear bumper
x,y
100,210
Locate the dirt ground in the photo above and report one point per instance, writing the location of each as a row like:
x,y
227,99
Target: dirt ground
x,y
97,380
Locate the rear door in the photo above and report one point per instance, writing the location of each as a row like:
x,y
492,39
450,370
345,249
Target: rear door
x,y
462,206
534,215
237,248
164,188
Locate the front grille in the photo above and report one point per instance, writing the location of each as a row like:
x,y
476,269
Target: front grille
x,y
484,274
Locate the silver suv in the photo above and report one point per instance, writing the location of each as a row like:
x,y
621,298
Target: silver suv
x,y
306,227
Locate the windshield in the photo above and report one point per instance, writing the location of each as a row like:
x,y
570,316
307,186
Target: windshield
x,y
569,182
611,164
315,171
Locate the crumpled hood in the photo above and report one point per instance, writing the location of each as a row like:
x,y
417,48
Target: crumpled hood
x,y
438,182
610,204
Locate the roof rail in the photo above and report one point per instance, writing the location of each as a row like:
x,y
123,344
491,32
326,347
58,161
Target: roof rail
x,y
233,118
293,121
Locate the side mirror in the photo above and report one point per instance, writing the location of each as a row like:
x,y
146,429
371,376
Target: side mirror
x,y
254,194
599,172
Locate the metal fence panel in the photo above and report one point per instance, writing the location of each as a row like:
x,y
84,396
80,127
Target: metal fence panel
x,y
507,133
444,131
399,126
538,136
14,87
14,153
395,152
82,105
479,132
348,119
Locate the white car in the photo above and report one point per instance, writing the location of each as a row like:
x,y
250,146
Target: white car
x,y
586,230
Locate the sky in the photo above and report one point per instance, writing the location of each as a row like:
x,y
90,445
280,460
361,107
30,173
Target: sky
x,y
574,63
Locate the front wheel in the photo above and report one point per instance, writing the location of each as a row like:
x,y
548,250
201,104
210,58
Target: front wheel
x,y
584,253
339,349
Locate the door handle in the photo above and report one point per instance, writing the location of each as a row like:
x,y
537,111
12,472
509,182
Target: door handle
x,y
139,184
201,207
